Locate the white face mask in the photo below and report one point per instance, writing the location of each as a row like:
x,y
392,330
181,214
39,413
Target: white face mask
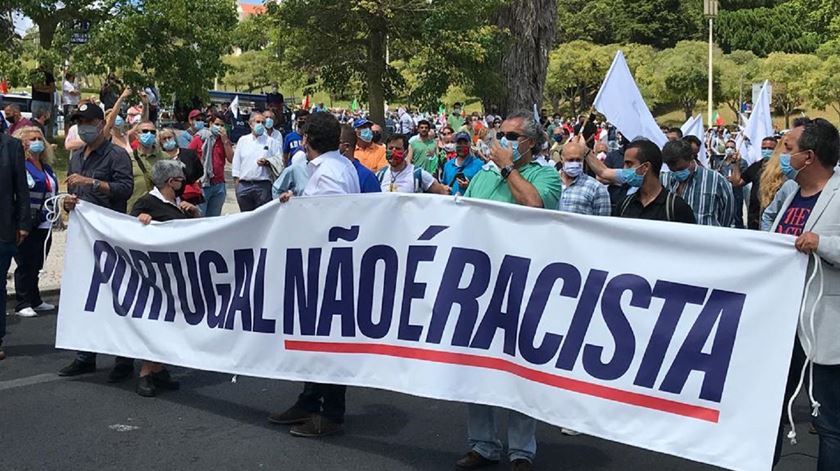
x,y
601,155
572,169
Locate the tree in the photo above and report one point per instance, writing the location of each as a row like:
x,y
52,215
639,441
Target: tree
x,y
575,72
737,71
794,26
658,23
175,44
679,76
824,85
532,27
788,73
339,41
51,15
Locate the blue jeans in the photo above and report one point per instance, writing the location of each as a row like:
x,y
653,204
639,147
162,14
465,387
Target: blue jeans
x,y
214,199
521,432
827,423
7,252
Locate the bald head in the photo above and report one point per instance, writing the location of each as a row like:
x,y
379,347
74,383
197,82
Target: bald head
x,y
574,152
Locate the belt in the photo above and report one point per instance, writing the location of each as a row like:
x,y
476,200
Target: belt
x,y
254,181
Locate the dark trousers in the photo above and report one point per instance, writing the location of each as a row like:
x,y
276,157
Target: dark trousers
x,y
332,395
7,252
796,362
252,195
827,423
30,261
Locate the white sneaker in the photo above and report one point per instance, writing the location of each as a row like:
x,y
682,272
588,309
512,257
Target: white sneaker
x,y
44,307
27,312
569,432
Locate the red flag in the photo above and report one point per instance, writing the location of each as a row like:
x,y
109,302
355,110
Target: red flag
x,y
305,104
720,121
4,87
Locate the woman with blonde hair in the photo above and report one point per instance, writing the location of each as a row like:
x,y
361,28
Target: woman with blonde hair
x,y
43,184
774,189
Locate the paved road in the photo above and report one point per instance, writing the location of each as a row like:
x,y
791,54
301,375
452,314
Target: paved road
x,y
52,423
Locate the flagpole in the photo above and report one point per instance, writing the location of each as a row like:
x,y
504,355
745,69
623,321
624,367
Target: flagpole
x,y
711,10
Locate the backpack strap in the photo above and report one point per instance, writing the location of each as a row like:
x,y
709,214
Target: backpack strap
x,y
626,204
669,206
380,175
140,164
418,180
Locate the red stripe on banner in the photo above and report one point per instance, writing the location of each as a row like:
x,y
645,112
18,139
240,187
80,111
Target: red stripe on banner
x,y
465,359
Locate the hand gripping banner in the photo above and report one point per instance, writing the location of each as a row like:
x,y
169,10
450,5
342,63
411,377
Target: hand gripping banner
x,y
670,337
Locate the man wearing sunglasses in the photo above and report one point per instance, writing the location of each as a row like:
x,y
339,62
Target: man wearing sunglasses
x,y
142,160
512,177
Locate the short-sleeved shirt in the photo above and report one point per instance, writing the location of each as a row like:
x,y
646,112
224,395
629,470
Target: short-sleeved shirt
x,y
796,215
373,157
67,88
488,184
424,154
404,181
469,167
291,143
585,195
658,209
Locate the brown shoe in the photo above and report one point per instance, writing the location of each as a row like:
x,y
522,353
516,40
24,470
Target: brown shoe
x,y
294,415
316,426
473,460
2,354
521,465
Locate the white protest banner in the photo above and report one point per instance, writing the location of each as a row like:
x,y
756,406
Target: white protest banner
x,y
694,127
648,333
759,126
620,100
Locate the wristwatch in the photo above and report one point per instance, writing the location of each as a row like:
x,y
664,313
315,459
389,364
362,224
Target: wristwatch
x,y
506,171
96,183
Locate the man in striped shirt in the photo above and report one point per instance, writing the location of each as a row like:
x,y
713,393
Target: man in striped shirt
x,y
707,192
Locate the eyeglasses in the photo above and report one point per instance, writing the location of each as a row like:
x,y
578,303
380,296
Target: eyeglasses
x,y
445,133
179,179
148,131
513,136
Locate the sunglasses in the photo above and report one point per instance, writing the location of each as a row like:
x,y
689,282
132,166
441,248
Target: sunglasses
x,y
148,131
512,136
445,133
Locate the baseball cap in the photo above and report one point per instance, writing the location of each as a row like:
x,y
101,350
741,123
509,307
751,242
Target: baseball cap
x,y
360,122
462,136
195,114
88,111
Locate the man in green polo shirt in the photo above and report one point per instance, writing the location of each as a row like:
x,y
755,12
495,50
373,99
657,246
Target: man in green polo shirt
x,y
147,153
513,179
424,149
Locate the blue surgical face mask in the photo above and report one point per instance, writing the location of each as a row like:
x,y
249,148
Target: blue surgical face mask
x,y
259,129
572,169
513,145
215,129
199,125
36,147
766,153
630,177
787,169
681,175
147,139
169,144
119,122
366,135
269,123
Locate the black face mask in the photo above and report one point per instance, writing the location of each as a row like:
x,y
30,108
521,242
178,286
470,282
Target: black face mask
x,y
11,119
500,135
180,191
377,136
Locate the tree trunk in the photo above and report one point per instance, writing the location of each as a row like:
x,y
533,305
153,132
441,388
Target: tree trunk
x,y
376,71
46,31
532,26
688,109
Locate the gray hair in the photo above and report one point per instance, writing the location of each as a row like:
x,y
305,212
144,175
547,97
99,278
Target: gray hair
x,y
531,129
163,170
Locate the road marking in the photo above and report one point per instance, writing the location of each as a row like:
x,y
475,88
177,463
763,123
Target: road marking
x,y
123,428
29,381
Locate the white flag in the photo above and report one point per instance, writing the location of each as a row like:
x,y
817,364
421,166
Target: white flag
x,y
759,126
620,100
234,107
694,127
